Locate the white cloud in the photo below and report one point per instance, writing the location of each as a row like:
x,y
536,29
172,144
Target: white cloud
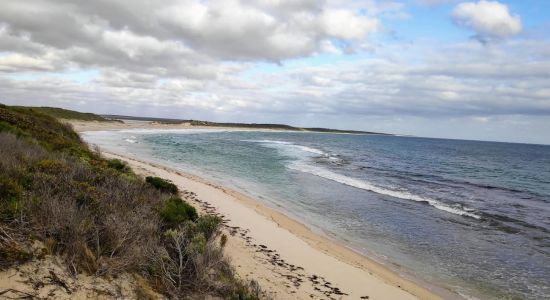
x,y
15,62
214,60
489,19
346,25
434,2
178,37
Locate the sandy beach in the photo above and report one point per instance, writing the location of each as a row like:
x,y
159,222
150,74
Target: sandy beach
x,y
135,124
286,258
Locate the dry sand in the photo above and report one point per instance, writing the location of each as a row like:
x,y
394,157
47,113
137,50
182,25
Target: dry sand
x,y
49,278
286,258
135,124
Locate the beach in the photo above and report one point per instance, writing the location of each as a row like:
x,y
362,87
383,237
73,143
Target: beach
x,y
286,258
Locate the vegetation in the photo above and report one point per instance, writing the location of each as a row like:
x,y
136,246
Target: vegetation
x,y
100,217
177,211
60,113
118,165
162,184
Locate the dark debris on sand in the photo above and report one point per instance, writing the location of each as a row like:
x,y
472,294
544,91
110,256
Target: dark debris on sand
x,y
295,275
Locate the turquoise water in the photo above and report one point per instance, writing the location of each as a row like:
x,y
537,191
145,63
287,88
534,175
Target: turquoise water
x,y
473,217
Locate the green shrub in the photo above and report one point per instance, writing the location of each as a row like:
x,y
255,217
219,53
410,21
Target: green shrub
x,y
10,192
61,113
198,244
162,185
46,130
9,188
4,126
208,225
51,166
177,211
118,165
242,291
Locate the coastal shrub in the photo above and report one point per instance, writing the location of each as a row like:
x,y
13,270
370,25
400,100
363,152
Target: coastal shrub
x,y
55,190
118,165
6,127
46,130
162,184
176,211
242,291
9,189
10,192
189,259
60,113
51,166
208,225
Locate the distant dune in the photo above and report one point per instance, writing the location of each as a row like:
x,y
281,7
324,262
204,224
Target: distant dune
x,y
236,125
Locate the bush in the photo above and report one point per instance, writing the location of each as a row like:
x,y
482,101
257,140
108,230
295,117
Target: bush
x,y
177,211
10,193
10,128
208,225
9,189
118,165
162,185
51,166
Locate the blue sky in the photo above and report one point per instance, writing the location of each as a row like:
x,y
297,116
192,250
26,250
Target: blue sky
x,y
440,68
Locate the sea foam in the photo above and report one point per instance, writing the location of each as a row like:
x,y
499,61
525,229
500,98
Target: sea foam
x,y
290,145
303,165
364,185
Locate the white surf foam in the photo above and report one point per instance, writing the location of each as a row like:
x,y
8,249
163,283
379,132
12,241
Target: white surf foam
x,y
269,142
178,131
324,173
279,144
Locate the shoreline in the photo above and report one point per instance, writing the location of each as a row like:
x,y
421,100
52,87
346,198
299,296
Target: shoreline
x,y
349,271
386,277
81,126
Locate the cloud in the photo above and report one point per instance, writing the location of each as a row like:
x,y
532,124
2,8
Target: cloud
x,y
217,29
489,19
501,79
433,2
282,61
345,25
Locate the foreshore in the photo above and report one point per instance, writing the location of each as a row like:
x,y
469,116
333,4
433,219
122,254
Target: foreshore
x,y
80,126
286,258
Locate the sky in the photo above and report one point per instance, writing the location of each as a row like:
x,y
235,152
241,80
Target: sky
x,y
436,68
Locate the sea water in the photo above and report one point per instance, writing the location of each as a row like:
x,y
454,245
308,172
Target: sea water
x,y
469,216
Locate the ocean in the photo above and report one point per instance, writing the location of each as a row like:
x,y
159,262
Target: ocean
x,y
469,216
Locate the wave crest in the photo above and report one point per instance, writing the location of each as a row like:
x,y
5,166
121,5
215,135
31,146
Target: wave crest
x,y
320,172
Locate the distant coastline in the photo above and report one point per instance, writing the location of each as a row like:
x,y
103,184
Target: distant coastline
x,y
195,123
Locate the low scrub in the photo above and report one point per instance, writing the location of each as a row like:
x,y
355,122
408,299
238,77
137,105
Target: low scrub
x,y
118,165
176,211
162,184
61,113
100,216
